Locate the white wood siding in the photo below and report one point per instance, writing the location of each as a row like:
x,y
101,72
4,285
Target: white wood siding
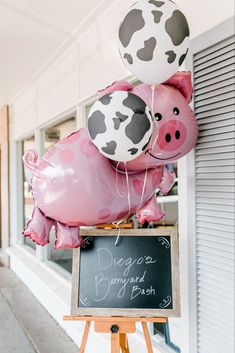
x,y
214,105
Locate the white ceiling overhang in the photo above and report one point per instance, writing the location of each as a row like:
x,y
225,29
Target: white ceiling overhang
x,y
32,30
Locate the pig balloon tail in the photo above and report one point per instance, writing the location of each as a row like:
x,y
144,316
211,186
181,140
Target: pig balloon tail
x,y
30,159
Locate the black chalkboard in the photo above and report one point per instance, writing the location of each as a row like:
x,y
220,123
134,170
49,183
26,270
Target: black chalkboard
x,y
136,274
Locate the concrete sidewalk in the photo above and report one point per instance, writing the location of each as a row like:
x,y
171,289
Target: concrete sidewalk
x,y
25,326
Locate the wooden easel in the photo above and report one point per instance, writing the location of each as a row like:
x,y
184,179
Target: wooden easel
x,y
118,327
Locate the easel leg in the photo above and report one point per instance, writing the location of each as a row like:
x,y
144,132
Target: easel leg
x,y
124,343
115,343
85,337
147,337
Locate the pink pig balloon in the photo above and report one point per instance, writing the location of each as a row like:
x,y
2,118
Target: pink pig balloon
x,y
74,185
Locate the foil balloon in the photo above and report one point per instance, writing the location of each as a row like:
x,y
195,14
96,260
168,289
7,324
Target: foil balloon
x,y
153,40
75,185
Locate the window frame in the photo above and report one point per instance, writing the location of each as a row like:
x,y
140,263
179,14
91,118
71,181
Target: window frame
x,y
43,253
40,252
19,186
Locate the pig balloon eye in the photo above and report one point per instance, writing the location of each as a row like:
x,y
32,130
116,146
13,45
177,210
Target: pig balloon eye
x,y
158,116
176,111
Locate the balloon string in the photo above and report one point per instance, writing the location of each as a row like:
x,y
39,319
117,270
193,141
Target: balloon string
x,y
116,224
117,188
119,231
152,99
145,183
147,164
128,190
153,87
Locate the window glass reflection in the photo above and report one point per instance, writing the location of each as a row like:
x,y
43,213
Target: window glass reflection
x,y
28,203
52,135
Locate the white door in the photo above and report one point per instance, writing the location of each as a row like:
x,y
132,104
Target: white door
x,y
213,64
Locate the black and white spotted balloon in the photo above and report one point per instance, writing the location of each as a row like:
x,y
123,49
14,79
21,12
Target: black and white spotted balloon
x,y
153,40
120,125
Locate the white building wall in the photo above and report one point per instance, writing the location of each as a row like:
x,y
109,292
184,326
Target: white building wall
x,y
92,62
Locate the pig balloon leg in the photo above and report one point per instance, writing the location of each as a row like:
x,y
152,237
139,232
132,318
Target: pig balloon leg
x,y
67,237
38,228
150,212
167,182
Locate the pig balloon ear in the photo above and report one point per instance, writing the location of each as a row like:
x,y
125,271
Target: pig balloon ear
x,y
115,86
182,81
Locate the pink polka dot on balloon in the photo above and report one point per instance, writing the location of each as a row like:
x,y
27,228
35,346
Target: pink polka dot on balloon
x,y
138,186
104,213
88,148
67,156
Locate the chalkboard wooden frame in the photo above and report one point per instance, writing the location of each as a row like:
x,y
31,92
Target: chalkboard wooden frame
x,y
130,312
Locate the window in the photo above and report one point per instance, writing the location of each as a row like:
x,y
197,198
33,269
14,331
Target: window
x,y
51,136
28,203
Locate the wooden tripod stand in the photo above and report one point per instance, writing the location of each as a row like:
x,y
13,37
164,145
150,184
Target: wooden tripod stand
x,y
118,327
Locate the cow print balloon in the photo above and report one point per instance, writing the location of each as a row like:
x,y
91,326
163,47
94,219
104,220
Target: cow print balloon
x,y
153,40
120,125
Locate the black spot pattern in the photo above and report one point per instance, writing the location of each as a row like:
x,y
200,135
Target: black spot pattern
x,y
106,99
128,57
171,56
120,119
110,148
157,3
133,151
132,23
177,27
135,103
137,128
146,53
157,16
96,124
181,59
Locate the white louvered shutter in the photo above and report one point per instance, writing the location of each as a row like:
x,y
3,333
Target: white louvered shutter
x,y
214,106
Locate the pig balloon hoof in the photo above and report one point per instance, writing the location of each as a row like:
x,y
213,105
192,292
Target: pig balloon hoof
x,y
67,237
38,228
150,212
